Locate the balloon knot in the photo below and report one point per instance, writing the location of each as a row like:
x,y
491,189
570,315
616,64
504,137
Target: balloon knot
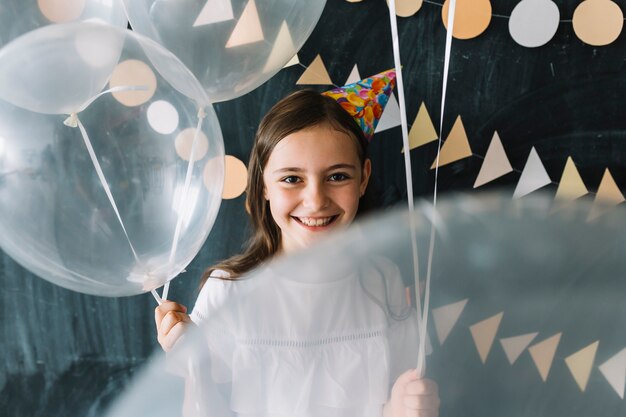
x,y
201,113
71,121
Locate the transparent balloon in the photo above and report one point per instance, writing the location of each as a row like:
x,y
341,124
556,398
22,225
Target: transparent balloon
x,y
20,16
54,70
112,194
325,332
231,46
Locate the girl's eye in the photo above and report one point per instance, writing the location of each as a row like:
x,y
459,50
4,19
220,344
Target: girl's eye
x,y
339,176
292,179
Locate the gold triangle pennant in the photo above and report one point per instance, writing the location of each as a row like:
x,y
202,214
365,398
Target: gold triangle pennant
x,y
608,196
422,130
315,74
456,146
580,364
571,185
484,333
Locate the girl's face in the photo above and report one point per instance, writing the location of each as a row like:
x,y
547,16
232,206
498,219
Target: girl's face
x,y
313,181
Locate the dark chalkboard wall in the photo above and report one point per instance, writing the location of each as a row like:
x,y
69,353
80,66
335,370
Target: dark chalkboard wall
x,y
66,353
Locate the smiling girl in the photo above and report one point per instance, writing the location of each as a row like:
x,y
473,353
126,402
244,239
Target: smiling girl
x,y
308,174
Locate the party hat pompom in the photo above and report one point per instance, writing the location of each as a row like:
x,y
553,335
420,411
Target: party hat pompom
x,y
365,100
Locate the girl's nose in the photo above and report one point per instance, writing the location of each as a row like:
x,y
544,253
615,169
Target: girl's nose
x,y
315,197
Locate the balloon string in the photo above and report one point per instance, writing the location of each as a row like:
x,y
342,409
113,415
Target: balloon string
x,y
409,182
156,296
431,245
70,121
118,89
74,121
180,205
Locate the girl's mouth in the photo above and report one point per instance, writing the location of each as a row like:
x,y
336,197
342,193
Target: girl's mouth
x,y
315,221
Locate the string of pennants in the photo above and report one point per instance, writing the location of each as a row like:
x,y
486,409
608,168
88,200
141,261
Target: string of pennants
x,y
495,163
532,23
579,363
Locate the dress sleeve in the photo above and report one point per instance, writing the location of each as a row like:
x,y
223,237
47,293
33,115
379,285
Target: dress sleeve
x,y
213,295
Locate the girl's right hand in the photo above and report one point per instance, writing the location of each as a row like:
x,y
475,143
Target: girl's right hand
x,y
172,322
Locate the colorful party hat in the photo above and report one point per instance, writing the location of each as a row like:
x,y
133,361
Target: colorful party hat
x,y
365,100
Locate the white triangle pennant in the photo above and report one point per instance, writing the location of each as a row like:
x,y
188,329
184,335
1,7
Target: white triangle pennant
x,y
248,29
282,50
292,61
354,76
391,115
496,163
215,11
614,370
533,177
445,318
515,346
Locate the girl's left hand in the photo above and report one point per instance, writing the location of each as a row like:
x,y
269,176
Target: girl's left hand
x,y
412,396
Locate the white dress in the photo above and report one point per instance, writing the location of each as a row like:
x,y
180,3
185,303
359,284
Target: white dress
x,y
302,347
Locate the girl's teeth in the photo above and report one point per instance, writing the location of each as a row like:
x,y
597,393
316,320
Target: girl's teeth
x,y
315,222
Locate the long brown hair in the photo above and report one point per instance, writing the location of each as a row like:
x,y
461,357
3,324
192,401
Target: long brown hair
x,y
300,110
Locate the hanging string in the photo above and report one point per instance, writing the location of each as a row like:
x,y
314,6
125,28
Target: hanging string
x,y
421,353
180,205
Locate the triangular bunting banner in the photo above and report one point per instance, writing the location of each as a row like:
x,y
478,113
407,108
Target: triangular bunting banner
x,y
282,50
608,196
456,146
215,11
580,364
533,177
571,185
293,61
484,333
543,354
315,74
248,29
614,370
445,318
496,163
515,346
422,131
354,76
391,115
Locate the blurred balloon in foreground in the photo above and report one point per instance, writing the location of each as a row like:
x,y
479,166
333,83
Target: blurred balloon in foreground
x,y
20,16
94,194
231,46
521,298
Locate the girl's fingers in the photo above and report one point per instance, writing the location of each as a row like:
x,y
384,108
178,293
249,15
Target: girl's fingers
x,y
421,387
421,413
404,379
168,341
171,319
421,402
163,309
